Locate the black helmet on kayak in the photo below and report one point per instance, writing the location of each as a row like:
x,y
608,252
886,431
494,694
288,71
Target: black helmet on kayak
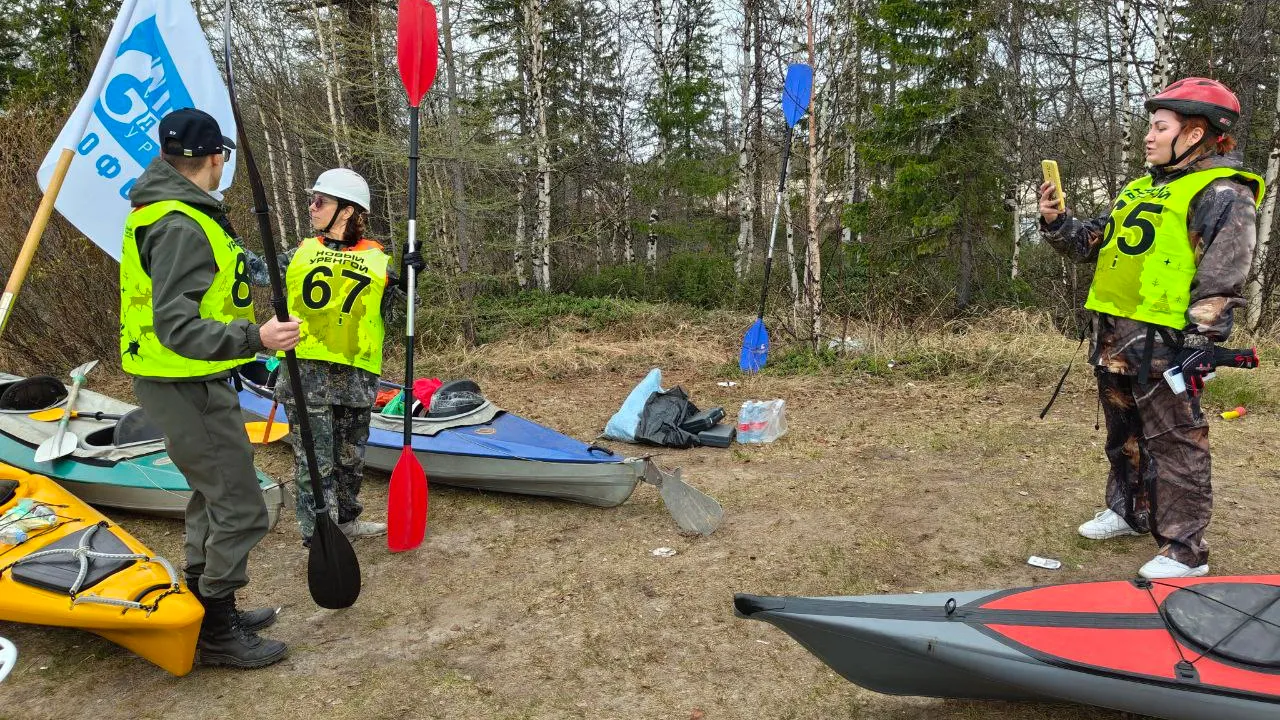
x,y
455,398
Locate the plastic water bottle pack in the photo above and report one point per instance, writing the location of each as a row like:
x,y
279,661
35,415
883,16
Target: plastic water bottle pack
x,y
762,421
19,521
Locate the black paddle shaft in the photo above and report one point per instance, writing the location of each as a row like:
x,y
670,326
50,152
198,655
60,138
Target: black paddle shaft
x,y
777,210
333,571
411,279
278,303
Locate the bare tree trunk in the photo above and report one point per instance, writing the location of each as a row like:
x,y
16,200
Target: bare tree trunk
x,y
659,49
304,158
1164,46
1254,290
542,205
328,82
796,297
628,247
813,250
521,232
1128,18
855,112
746,213
338,72
964,293
760,190
622,223
382,197
271,168
291,189
455,173
596,231
1015,117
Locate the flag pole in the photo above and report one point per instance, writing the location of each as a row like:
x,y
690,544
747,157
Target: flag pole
x,y
38,223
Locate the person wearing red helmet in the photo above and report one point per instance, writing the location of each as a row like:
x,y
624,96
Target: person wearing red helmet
x,y
1172,255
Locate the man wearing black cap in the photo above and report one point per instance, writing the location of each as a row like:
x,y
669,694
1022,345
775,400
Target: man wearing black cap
x,y
186,320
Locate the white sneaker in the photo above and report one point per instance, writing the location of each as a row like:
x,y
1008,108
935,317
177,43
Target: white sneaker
x,y
362,529
1161,567
1106,525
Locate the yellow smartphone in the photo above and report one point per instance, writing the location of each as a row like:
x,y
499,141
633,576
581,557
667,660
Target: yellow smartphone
x,y
1050,168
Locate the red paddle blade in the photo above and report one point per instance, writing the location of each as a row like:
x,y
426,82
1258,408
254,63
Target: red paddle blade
x,y
416,47
406,504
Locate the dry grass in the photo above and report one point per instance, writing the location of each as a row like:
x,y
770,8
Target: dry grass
x,y
522,608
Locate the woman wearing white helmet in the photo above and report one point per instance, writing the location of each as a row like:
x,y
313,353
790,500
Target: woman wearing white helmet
x,y
340,284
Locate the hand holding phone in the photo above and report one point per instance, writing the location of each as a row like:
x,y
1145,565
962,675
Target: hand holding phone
x,y
1051,176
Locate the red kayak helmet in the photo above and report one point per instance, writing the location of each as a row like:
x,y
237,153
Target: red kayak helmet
x,y
1197,96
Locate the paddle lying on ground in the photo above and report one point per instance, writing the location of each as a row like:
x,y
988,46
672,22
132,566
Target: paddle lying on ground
x,y
56,414
416,57
795,101
64,442
692,509
333,571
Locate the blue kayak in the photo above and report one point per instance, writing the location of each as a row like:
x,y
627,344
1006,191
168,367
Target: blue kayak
x,y
486,449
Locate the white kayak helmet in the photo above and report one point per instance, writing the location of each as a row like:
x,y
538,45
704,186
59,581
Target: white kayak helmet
x,y
344,184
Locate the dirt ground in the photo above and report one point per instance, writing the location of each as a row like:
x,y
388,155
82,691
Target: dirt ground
x,y
527,608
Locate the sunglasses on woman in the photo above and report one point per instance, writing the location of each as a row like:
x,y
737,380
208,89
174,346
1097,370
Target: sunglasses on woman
x,y
319,201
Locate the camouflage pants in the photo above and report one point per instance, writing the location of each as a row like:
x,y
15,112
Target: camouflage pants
x,y
1158,447
339,434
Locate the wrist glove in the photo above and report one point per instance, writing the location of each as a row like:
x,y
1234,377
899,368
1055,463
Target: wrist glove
x,y
1196,360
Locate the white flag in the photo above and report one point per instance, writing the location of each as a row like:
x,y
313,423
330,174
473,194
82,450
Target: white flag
x,y
156,60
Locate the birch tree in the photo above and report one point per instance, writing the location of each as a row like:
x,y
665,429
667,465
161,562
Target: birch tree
x,y
1266,220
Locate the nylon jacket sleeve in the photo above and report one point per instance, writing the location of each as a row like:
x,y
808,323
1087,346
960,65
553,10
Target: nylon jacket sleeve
x,y
180,263
1077,239
1223,231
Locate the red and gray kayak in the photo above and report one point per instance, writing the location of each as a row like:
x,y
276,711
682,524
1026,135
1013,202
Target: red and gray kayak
x,y
1183,649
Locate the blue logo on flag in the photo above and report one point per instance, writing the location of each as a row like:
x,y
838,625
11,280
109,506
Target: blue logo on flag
x,y
144,86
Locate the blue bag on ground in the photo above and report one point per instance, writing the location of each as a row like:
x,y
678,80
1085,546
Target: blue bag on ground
x,y
622,426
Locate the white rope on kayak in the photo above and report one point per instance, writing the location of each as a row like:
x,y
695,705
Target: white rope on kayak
x,y
84,552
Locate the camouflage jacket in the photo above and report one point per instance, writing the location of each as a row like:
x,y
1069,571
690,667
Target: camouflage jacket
x,y
1221,221
328,383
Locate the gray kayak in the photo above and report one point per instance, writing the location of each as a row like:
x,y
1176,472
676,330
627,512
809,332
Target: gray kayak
x,y
1185,649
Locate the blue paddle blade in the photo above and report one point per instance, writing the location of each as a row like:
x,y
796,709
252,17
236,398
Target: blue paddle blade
x,y
755,348
795,92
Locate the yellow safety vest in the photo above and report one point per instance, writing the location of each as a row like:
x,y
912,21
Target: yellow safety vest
x,y
338,296
227,299
1146,263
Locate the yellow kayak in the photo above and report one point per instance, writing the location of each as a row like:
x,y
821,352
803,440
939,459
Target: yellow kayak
x,y
83,571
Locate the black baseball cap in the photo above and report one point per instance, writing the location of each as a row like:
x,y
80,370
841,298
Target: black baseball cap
x,y
192,133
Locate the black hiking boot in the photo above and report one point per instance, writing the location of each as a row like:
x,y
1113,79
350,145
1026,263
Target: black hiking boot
x,y
251,620
224,641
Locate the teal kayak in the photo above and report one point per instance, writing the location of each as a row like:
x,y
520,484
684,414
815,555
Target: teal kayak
x,y
119,461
